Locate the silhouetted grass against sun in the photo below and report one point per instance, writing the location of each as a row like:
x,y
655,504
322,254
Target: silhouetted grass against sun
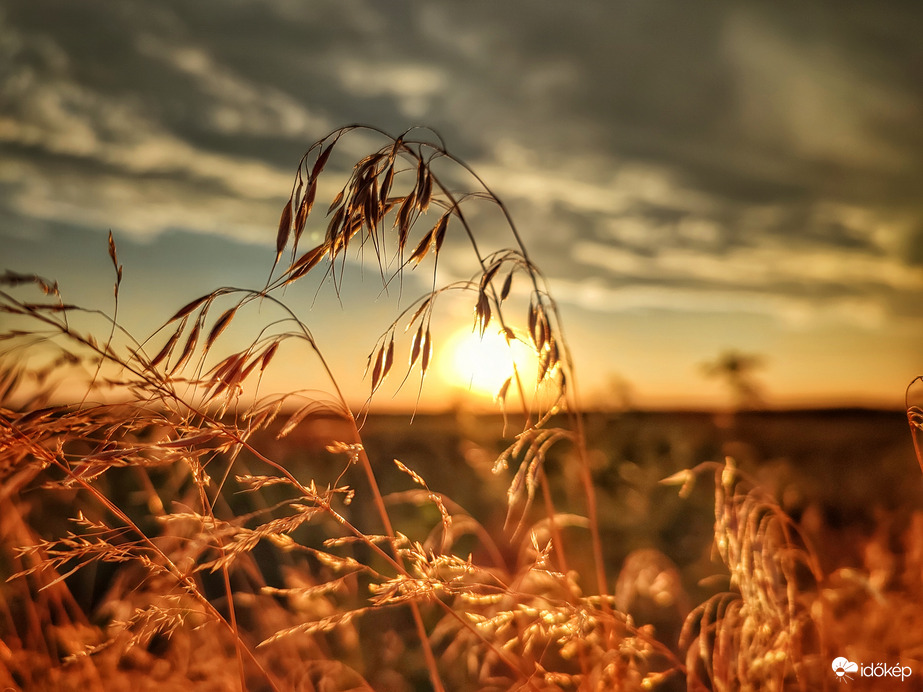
x,y
177,524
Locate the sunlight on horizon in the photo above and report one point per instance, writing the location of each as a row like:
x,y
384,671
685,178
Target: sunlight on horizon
x,y
480,365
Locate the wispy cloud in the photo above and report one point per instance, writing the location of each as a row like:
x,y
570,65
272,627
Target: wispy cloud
x,y
232,104
413,86
812,97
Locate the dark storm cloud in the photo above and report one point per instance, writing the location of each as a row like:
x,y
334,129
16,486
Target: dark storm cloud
x,y
751,154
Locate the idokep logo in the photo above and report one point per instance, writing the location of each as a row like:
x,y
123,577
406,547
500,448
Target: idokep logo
x,y
843,667
846,670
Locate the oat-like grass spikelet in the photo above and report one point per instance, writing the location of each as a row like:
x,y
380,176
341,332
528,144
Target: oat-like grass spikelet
x,y
913,402
228,565
762,633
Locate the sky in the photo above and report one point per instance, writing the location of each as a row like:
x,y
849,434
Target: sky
x,y
692,178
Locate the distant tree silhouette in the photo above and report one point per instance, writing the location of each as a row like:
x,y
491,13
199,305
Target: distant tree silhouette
x,y
621,393
737,369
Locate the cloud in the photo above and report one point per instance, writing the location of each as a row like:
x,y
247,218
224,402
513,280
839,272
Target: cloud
x,y
124,205
848,286
412,85
80,155
809,98
792,311
234,105
53,112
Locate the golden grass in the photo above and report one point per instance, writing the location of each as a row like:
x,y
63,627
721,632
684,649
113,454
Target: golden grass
x,y
149,542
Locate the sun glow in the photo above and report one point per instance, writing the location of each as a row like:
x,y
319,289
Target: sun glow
x,y
481,365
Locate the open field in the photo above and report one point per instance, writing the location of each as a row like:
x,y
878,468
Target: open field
x,y
847,477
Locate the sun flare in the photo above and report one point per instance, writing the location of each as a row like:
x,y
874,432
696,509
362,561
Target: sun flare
x,y
481,365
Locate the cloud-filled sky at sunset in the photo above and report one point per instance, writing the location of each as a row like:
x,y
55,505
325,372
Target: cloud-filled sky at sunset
x,y
691,177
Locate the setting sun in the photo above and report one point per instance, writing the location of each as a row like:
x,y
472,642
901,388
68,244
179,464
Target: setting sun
x,y
482,364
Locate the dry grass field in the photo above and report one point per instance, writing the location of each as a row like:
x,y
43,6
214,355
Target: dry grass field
x,y
173,527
